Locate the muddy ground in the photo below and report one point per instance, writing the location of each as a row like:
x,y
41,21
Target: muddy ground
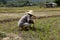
x,y
6,16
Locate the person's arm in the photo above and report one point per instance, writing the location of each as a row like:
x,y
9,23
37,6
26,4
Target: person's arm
x,y
28,18
34,16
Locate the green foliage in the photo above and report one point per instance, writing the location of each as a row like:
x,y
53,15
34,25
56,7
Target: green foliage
x,y
2,3
58,2
46,29
2,35
14,3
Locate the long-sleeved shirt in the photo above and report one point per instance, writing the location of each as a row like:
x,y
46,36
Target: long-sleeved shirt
x,y
24,19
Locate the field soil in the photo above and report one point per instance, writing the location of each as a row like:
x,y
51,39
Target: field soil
x,y
49,29
36,13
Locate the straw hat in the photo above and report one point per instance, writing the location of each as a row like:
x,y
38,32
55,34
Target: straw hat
x,y
30,12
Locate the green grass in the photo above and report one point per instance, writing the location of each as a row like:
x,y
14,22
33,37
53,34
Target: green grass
x,y
46,29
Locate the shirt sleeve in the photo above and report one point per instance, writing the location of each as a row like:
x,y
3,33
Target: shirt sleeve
x,y
28,18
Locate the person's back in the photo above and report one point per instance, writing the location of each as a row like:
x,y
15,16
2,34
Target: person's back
x,y
22,20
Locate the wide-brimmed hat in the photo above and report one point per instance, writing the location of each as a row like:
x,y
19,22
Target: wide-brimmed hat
x,y
30,12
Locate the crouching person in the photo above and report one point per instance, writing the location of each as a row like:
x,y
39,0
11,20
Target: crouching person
x,y
26,21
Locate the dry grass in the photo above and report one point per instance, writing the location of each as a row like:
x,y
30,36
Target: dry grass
x,y
46,29
23,9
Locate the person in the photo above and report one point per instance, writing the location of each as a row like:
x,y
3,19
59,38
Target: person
x,y
26,20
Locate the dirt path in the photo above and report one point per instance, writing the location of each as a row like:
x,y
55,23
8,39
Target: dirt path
x,y
10,15
16,16
37,13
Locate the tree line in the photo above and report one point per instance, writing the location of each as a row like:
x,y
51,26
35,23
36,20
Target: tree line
x,y
58,2
19,3
15,3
